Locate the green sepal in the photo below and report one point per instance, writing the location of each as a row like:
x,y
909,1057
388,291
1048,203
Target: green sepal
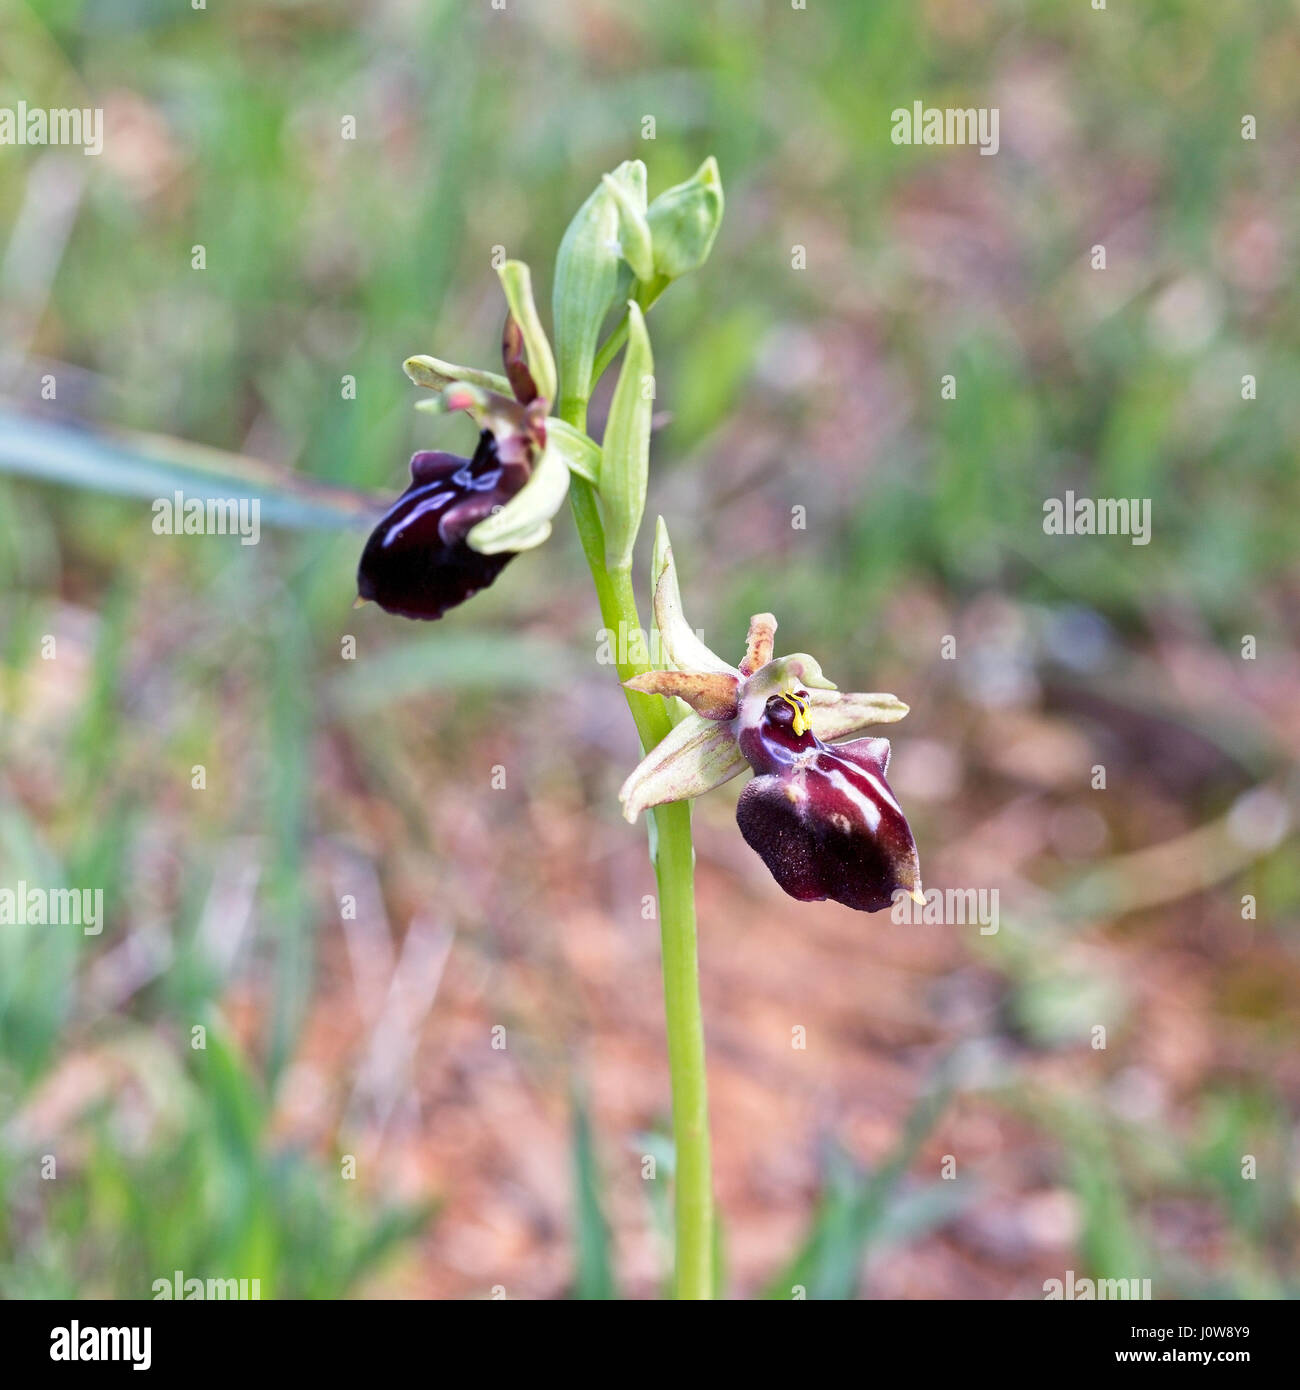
x,y
525,521
682,650
437,375
693,758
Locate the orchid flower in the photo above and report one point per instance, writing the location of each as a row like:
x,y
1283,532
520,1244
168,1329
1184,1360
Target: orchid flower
x,y
461,521
821,816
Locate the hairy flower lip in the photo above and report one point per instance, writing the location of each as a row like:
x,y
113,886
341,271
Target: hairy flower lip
x,y
807,831
822,817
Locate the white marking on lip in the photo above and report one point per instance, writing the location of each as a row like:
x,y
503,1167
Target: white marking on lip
x,y
870,811
867,801
881,790
416,513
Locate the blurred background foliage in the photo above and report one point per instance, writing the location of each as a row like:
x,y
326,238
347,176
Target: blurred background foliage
x,y
807,464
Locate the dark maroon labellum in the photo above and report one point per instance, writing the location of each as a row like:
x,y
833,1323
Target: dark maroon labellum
x,y
417,562
822,817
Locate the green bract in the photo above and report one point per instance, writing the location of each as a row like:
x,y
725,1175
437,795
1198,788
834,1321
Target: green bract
x,y
625,462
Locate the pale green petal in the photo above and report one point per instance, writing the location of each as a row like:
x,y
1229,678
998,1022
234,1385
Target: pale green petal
x,y
525,521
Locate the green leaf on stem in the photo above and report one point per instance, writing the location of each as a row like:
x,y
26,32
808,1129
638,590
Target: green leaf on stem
x,y
625,464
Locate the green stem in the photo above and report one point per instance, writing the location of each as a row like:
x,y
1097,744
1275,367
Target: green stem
x,y
675,874
646,294
674,866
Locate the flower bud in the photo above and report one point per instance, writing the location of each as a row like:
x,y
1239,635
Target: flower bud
x,y
684,221
634,230
587,273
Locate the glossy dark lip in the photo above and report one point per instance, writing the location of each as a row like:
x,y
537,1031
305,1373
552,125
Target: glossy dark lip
x,y
823,817
417,562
